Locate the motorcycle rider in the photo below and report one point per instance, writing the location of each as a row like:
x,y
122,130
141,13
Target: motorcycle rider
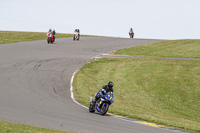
x,y
54,34
77,30
49,32
131,30
104,90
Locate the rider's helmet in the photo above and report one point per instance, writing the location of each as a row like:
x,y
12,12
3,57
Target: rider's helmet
x,y
77,28
131,29
110,84
50,30
53,30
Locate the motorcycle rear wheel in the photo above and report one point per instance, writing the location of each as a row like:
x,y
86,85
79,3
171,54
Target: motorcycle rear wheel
x,y
91,108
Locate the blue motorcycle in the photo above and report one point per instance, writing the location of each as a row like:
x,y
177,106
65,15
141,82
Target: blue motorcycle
x,y
102,106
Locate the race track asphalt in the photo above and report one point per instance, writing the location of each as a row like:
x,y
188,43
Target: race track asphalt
x,y
35,85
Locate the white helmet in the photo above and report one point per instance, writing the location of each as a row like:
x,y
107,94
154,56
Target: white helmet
x,y
77,28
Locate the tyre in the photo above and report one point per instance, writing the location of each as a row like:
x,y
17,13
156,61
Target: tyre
x,y
74,38
91,108
104,109
131,36
48,41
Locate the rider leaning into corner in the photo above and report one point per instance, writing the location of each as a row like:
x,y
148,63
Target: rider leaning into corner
x,y
77,30
104,90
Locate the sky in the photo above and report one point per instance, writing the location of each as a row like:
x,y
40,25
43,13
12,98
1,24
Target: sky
x,y
150,19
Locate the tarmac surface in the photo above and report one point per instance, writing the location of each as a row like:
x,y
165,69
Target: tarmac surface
x,y
35,85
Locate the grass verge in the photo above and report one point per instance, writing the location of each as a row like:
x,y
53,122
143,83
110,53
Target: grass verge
x,y
173,48
160,91
6,127
14,36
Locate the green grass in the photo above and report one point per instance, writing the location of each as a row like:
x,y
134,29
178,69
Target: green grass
x,y
173,48
14,36
6,127
162,91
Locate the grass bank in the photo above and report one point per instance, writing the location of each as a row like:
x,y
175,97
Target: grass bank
x,y
173,48
15,36
6,127
161,91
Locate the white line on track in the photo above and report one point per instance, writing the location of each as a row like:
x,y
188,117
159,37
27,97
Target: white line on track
x,y
71,90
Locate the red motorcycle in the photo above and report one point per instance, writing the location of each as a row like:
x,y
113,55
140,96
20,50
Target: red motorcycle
x,y
50,38
131,34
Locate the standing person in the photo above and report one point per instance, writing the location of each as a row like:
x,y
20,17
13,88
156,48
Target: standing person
x,y
54,35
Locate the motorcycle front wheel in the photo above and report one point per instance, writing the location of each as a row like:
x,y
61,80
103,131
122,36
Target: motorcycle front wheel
x,y
48,41
104,109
